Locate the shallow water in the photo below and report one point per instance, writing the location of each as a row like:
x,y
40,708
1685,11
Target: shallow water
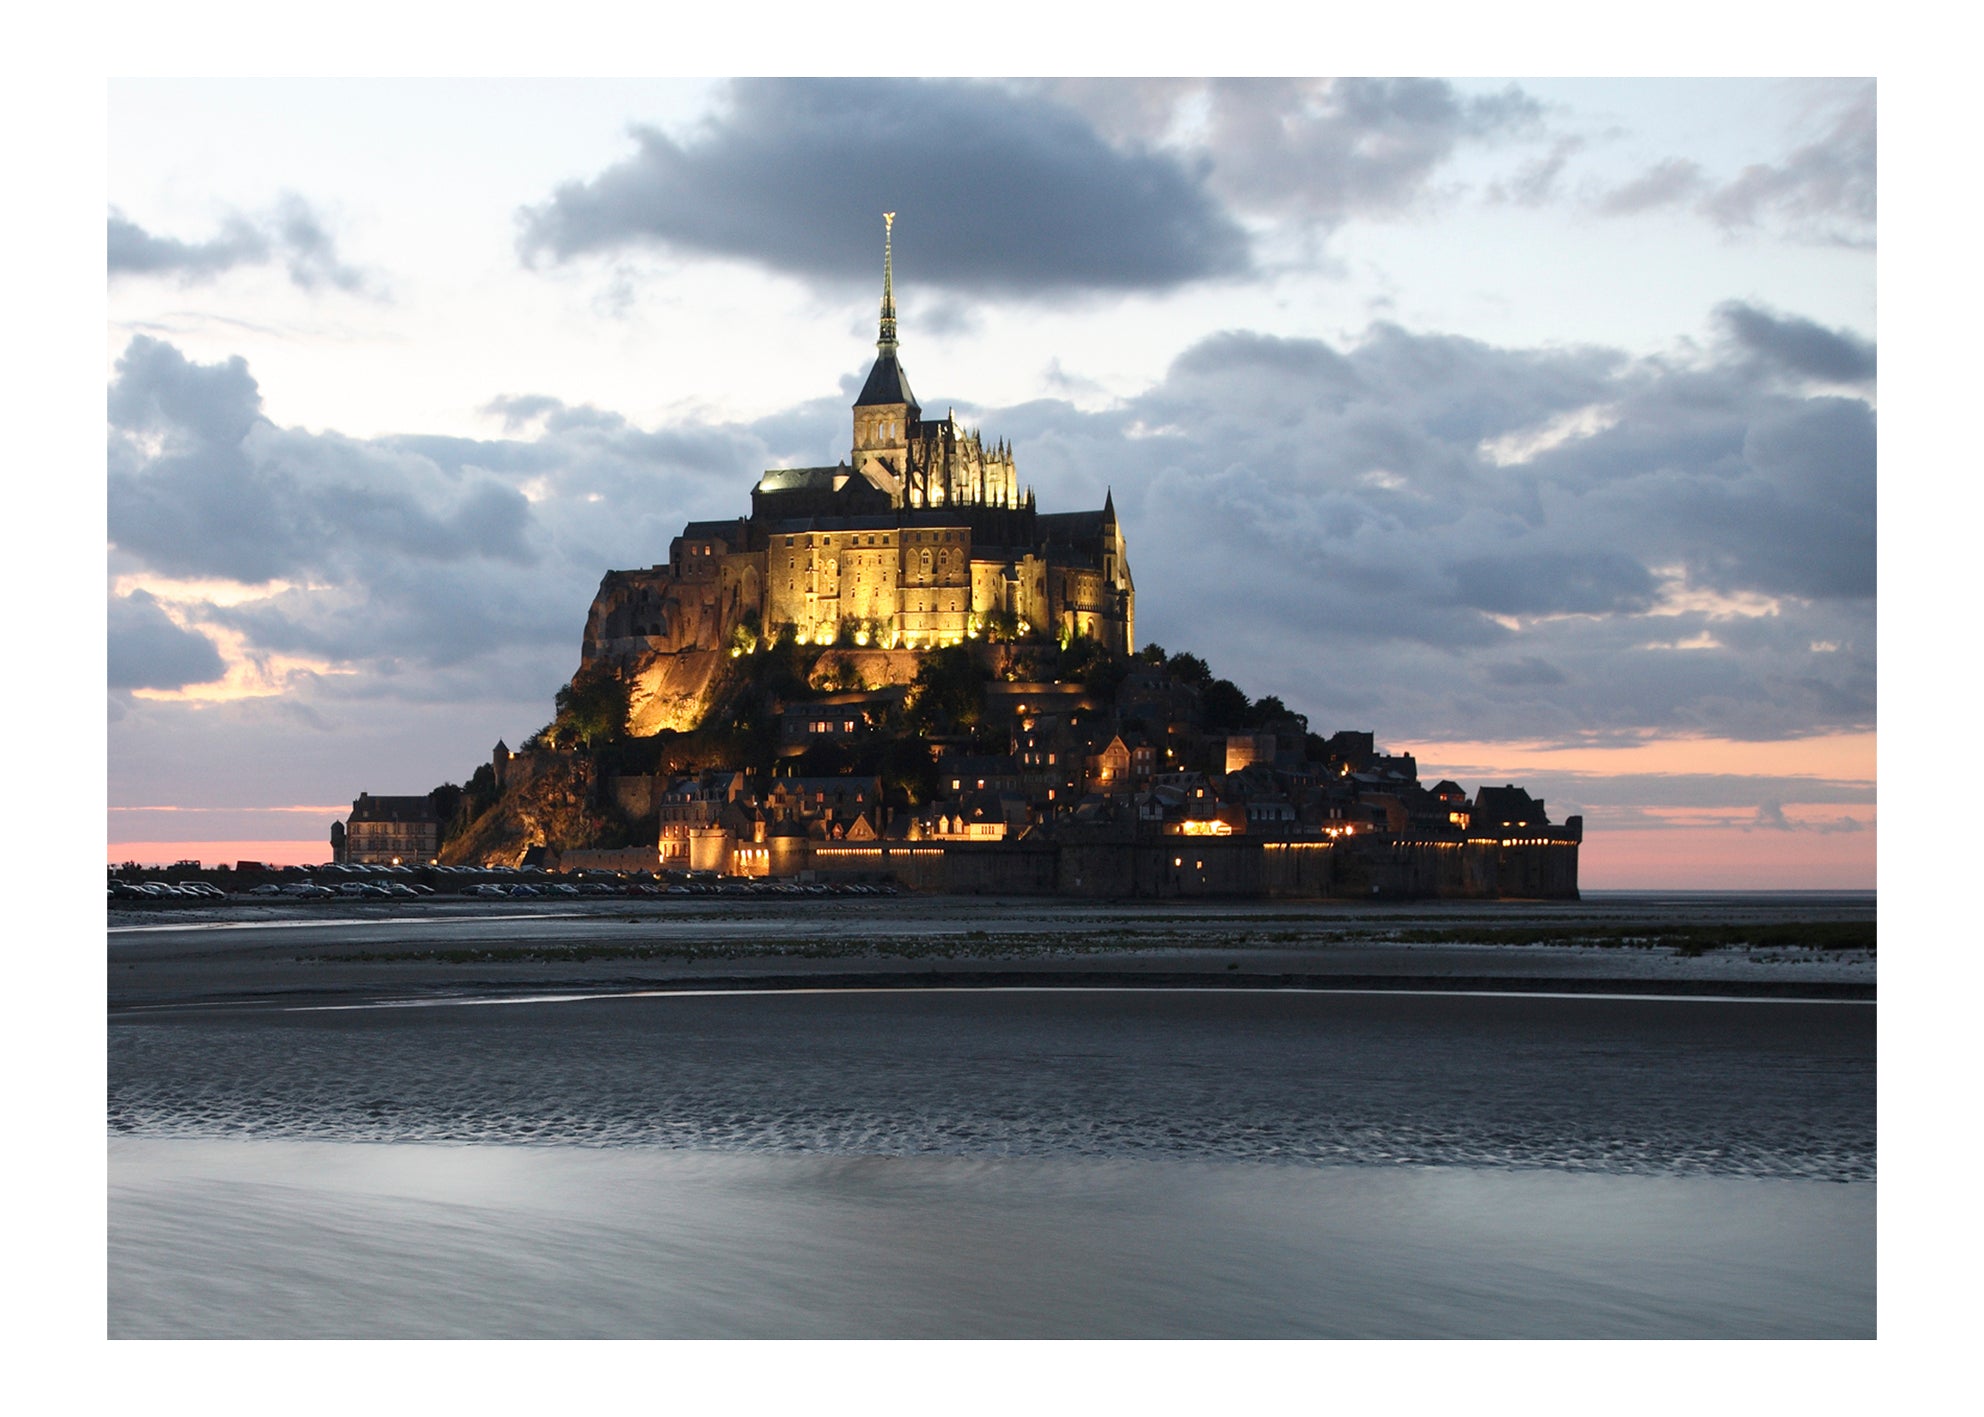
x,y
1009,1163
316,1239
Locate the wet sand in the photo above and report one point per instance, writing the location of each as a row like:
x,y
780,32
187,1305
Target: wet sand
x,y
341,951
832,1161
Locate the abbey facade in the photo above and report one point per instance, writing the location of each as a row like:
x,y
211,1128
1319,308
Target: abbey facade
x,y
922,537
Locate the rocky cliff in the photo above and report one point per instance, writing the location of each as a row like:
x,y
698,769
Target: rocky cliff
x,y
552,807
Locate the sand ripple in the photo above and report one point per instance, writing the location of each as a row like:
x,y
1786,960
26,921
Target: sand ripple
x,y
1621,1086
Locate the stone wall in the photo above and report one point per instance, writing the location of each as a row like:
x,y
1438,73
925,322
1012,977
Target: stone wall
x,y
599,858
1216,867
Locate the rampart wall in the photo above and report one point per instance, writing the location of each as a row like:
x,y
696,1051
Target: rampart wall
x,y
1213,867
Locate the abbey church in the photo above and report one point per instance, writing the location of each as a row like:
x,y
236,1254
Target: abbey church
x,y
922,537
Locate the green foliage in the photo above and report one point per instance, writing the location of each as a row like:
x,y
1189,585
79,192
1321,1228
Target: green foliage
x,y
1224,708
949,692
744,635
1152,653
448,800
845,678
1269,711
592,709
1002,627
1189,669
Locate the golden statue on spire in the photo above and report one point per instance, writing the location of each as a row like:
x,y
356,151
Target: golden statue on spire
x,y
887,342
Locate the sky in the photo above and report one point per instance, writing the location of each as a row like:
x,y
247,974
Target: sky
x,y
1528,424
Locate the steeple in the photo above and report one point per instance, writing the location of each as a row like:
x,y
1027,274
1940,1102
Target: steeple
x,y
885,410
887,343
886,385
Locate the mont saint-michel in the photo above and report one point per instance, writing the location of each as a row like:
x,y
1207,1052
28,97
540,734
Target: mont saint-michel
x,y
899,668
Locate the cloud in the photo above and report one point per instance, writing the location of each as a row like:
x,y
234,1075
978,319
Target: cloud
x,y
1665,184
1799,347
403,566
1823,190
292,231
1535,182
1382,533
794,175
147,650
519,411
1424,535
202,485
1770,817
135,251
1333,149
1322,150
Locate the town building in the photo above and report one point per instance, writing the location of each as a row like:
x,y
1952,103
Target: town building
x,y
391,831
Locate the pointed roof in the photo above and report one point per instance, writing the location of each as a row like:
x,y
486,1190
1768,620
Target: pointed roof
x,y
886,384
886,381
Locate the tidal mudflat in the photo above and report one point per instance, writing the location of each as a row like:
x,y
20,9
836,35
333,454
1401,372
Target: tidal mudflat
x,y
602,1124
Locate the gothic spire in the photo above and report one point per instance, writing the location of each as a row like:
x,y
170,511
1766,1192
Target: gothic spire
x,y
887,343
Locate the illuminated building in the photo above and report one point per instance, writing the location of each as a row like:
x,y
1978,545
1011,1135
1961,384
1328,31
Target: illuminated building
x,y
921,537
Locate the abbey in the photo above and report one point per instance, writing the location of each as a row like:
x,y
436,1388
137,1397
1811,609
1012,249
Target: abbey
x,y
922,537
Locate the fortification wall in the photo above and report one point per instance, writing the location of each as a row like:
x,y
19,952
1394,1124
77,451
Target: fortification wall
x,y
636,796
599,858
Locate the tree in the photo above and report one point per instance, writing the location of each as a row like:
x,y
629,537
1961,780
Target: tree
x,y
592,709
1224,706
1269,712
949,690
1189,669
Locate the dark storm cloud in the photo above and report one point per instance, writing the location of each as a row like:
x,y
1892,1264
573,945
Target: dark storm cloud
x,y
292,232
147,650
794,174
1800,347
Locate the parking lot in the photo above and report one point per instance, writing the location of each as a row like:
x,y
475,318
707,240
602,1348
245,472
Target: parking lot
x,y
329,882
